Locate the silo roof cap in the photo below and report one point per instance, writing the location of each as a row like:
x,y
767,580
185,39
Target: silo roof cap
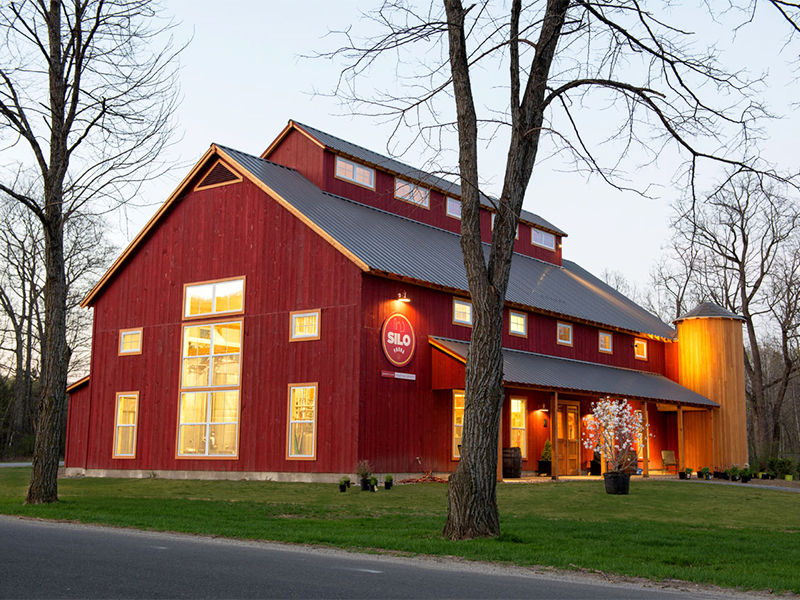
x,y
709,310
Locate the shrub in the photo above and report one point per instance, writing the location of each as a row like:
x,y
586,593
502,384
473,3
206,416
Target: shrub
x,y
364,470
547,451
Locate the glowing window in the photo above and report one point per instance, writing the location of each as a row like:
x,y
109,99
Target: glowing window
x,y
564,334
605,342
211,355
410,192
214,298
462,312
209,423
358,174
305,325
302,421
130,341
453,208
543,239
517,323
458,421
640,349
125,426
519,418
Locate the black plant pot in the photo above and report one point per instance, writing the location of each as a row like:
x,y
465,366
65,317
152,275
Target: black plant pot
x,y
682,475
745,478
342,487
707,476
387,485
545,467
617,483
717,474
594,468
371,487
365,485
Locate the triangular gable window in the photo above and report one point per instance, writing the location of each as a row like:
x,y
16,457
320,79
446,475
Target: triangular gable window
x,y
218,175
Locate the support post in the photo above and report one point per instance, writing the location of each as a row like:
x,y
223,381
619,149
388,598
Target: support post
x,y
713,445
681,462
646,440
554,435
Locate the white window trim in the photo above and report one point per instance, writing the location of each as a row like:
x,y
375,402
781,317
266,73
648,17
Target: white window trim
x,y
639,343
524,316
412,187
600,335
553,247
296,337
134,425
356,166
290,422
569,327
447,202
122,333
461,321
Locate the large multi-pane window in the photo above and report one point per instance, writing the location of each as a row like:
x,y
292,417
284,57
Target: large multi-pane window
x,y
458,421
210,380
125,426
302,421
411,192
519,418
220,297
355,173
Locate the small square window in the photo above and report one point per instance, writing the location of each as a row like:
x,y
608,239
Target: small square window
x,y
640,349
605,342
517,323
564,334
462,312
454,208
130,341
305,325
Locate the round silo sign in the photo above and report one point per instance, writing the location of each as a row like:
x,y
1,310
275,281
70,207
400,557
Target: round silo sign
x,y
397,338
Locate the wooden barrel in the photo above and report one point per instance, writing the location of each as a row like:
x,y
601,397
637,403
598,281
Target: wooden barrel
x,y
512,463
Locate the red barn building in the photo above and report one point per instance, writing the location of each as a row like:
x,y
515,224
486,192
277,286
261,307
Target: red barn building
x,y
285,316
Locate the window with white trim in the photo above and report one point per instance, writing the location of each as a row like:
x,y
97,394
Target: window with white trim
x,y
210,385
605,342
458,422
517,323
543,239
302,421
519,419
125,425
516,236
130,341
564,334
411,192
453,208
305,325
640,349
462,312
355,173
213,298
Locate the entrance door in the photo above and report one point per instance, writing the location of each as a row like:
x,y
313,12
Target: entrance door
x,y
569,452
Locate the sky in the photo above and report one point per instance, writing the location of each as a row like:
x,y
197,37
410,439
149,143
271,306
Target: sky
x,y
243,78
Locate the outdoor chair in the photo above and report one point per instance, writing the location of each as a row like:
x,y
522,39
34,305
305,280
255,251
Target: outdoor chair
x,y
668,460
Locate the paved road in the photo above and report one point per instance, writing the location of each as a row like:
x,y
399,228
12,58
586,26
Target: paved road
x,y
40,559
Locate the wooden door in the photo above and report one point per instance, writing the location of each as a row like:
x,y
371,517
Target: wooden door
x,y
569,451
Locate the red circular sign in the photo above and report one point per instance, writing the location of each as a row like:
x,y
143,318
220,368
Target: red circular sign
x,y
397,337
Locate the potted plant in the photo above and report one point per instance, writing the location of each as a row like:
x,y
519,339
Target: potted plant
x,y
784,468
546,461
344,483
388,482
364,472
687,473
745,475
373,483
705,472
612,430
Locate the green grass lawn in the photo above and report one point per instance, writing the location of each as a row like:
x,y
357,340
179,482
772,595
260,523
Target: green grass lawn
x,y
732,536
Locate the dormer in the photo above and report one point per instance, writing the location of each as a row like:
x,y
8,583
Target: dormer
x,y
342,168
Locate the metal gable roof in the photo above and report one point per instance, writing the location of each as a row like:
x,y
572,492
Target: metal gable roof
x,y
709,310
396,166
393,244
539,370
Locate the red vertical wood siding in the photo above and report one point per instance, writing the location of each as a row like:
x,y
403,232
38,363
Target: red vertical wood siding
x,y
297,151
77,426
231,231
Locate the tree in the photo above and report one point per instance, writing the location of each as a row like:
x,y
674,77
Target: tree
x,y
740,248
565,59
87,93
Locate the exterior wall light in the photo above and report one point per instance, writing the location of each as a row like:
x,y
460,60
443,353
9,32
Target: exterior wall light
x,y
402,297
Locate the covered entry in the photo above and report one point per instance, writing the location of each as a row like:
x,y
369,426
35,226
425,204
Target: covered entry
x,y
558,394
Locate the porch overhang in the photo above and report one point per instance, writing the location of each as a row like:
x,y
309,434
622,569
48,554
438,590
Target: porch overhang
x,y
532,370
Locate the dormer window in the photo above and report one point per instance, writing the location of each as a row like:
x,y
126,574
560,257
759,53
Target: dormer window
x,y
516,237
355,173
411,192
543,239
454,208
